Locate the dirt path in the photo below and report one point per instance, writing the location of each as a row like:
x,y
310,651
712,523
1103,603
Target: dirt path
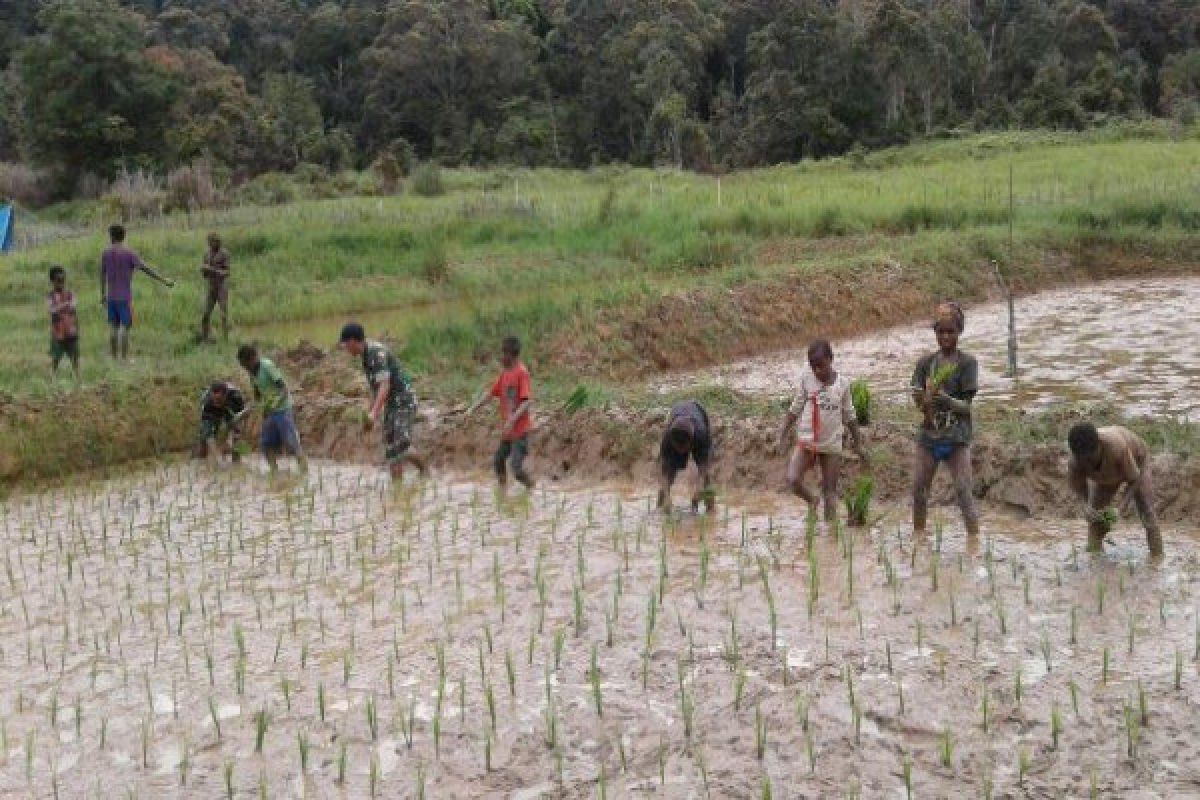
x,y
573,644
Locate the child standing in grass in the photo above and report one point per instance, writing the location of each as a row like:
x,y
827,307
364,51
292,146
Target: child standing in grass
x,y
1107,459
279,424
944,384
513,391
64,322
822,414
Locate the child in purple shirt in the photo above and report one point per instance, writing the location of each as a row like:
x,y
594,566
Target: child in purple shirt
x,y
117,266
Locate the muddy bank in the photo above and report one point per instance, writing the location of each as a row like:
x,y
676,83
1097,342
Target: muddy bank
x,y
618,444
687,330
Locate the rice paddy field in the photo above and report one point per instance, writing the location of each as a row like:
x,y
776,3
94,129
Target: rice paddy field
x,y
167,630
172,633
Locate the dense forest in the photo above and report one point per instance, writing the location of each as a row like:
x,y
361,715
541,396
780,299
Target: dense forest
x,y
92,87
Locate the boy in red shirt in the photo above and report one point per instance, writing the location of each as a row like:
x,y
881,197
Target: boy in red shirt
x,y
512,389
64,322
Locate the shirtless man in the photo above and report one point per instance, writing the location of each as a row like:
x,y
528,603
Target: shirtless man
x,y
1108,458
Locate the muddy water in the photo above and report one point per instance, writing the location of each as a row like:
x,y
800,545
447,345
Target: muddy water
x,y
146,621
1131,343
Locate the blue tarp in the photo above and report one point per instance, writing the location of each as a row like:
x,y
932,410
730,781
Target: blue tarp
x,y
6,229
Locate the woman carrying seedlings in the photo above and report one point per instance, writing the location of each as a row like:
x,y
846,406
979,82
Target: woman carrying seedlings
x,y
943,386
822,413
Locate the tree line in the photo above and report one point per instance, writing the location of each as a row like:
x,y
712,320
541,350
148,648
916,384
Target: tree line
x,y
92,87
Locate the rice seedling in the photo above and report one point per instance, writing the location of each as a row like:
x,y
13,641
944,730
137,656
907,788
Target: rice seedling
x,y
760,733
946,749
1056,726
594,679
906,767
858,500
1178,683
1022,765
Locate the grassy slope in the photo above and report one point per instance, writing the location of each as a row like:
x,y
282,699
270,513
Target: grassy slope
x,y
576,261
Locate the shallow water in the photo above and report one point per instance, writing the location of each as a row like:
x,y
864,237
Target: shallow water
x,y
1131,343
147,620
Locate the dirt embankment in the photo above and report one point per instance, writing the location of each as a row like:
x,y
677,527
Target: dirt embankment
x,y
711,326
618,444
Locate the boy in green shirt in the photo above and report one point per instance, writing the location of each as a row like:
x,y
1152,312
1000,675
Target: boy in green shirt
x,y
279,425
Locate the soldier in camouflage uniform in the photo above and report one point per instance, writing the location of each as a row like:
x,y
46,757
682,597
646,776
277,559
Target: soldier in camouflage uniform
x,y
392,398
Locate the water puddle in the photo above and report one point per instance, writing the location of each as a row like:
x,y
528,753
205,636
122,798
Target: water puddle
x,y
1131,343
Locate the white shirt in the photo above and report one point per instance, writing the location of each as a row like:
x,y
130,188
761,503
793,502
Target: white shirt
x,y
821,413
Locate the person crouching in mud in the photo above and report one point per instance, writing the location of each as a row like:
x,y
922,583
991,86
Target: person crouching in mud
x,y
688,435
944,384
221,410
1107,459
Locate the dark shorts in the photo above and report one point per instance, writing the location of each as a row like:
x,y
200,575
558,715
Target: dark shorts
x,y
279,432
120,313
516,450
64,347
398,424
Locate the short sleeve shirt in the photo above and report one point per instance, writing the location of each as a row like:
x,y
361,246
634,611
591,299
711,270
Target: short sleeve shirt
x,y
64,319
701,450
271,388
119,263
962,384
380,364
821,412
512,389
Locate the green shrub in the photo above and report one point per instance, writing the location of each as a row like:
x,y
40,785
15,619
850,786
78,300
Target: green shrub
x,y
427,180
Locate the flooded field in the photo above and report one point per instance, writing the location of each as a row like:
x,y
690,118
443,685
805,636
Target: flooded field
x,y
1131,343
172,633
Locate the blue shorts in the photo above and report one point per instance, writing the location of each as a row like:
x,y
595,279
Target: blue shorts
x,y
279,432
120,313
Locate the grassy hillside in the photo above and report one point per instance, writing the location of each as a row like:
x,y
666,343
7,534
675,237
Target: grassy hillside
x,y
602,272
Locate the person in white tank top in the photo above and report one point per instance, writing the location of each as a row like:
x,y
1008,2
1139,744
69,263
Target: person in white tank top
x,y
821,414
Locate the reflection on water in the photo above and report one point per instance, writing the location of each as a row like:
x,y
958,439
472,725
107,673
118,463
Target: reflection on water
x,y
1127,342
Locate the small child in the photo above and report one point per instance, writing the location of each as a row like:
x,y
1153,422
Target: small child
x,y
221,409
1107,458
64,322
824,411
512,390
279,432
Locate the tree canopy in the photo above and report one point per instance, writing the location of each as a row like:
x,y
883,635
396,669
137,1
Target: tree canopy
x,y
94,86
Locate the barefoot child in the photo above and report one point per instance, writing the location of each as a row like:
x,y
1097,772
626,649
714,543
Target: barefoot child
x,y
688,435
64,322
512,390
392,398
279,424
1107,459
821,413
221,411
943,385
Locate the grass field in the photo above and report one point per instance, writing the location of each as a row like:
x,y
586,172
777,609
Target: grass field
x,y
565,256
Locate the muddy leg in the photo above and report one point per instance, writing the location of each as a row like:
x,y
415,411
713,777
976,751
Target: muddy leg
x,y
960,469
1143,498
113,340
924,468
801,462
223,302
210,301
418,461
500,462
520,450
831,465
1101,497
666,480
